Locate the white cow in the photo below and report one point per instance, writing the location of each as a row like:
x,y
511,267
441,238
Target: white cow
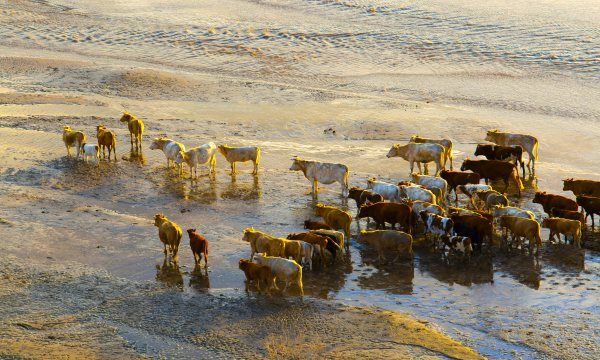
x,y
390,192
170,148
527,142
205,154
431,182
499,211
90,151
420,153
241,154
418,206
447,144
283,269
417,192
320,172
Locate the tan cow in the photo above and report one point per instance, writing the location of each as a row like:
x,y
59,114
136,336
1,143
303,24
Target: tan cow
x,y
334,217
527,142
447,144
73,139
107,139
388,240
169,233
136,128
420,153
322,172
566,227
521,227
261,242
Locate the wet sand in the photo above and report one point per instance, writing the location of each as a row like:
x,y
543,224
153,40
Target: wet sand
x,y
80,255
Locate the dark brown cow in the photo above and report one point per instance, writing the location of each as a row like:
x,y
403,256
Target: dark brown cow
x,y
261,274
500,152
361,196
314,239
456,178
387,212
591,205
569,214
495,170
199,246
316,225
549,201
475,227
582,187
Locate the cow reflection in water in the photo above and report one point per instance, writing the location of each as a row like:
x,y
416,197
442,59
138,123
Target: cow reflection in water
x,y
322,282
203,190
199,279
243,190
169,274
135,156
393,278
479,270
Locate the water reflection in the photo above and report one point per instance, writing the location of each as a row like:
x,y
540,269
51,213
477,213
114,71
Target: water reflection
x,y
324,283
199,279
243,190
135,156
169,274
479,270
525,269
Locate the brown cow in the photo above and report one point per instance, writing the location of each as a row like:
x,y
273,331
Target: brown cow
x,y
169,234
316,225
261,274
362,196
590,204
550,201
73,139
261,242
106,140
334,217
199,246
521,227
388,240
456,178
569,214
495,169
501,152
136,129
475,227
320,241
582,187
566,227
393,213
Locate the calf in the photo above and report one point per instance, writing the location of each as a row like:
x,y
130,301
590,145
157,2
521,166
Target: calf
x,y
136,129
591,205
316,225
107,140
393,213
457,245
261,274
493,170
363,196
240,154
566,227
526,228
317,240
388,240
200,155
199,246
334,217
549,201
283,269
501,152
456,178
90,151
73,139
436,225
475,227
389,191
568,214
582,187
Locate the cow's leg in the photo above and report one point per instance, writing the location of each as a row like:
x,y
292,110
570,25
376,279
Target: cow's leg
x,y
206,260
506,186
437,168
255,168
131,139
451,159
425,169
412,166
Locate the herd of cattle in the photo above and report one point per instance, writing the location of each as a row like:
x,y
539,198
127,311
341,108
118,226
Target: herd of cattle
x,y
420,206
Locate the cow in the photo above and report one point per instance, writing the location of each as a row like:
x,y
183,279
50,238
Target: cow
x,y
431,182
582,187
319,241
240,154
491,198
388,240
591,205
526,228
335,236
136,129
436,225
107,139
169,234
73,139
447,144
550,201
457,245
322,172
456,178
392,213
568,214
334,217
90,151
475,227
170,148
499,211
420,153
566,227
452,210
316,225
199,246
501,152
417,192
200,155
390,192
495,169
293,249
364,196
283,269
529,143
261,274
261,242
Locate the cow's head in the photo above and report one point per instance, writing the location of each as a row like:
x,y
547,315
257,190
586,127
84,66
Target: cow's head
x,y
396,150
180,157
126,117
414,138
568,184
159,219
156,144
539,197
191,231
465,165
296,164
479,150
67,128
363,211
423,214
491,135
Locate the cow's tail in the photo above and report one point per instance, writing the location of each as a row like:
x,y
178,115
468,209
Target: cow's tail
x,y
517,178
536,146
257,155
299,280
